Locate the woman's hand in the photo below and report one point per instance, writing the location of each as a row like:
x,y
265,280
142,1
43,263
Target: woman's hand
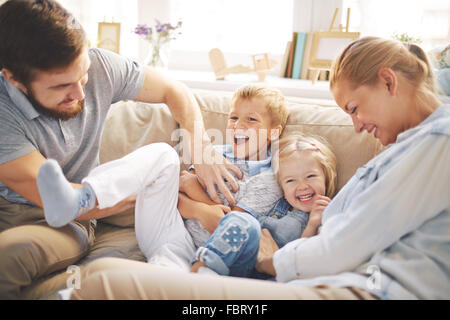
x,y
267,248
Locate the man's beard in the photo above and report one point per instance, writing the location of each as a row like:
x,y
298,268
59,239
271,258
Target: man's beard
x,y
55,114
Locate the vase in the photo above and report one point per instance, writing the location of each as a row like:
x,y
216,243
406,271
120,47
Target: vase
x,y
158,56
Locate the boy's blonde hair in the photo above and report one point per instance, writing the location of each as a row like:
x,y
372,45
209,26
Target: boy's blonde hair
x,y
321,151
361,60
276,103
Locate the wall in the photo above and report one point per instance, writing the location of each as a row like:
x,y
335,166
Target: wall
x,y
313,15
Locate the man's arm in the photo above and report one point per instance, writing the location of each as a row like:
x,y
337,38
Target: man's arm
x,y
20,176
212,168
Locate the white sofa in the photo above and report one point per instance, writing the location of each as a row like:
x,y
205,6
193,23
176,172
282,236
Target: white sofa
x,y
131,125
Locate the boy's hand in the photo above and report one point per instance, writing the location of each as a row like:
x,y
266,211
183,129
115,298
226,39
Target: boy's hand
x,y
210,220
315,216
187,179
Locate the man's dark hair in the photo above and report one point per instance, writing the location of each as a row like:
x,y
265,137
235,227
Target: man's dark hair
x,y
37,35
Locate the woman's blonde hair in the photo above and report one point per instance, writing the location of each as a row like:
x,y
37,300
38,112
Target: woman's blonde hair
x,y
321,151
276,103
361,60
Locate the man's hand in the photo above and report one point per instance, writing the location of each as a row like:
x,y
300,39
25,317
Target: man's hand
x,y
121,206
214,170
211,168
267,248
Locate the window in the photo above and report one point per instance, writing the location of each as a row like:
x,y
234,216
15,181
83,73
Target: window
x,y
428,20
234,25
239,28
89,13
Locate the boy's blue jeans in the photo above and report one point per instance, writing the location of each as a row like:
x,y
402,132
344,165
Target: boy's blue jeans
x,y
233,247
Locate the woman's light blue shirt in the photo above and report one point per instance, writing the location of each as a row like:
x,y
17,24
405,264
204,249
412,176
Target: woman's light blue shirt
x,y
388,229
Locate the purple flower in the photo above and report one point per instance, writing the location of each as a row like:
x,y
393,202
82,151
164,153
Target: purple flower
x,y
161,28
160,32
142,29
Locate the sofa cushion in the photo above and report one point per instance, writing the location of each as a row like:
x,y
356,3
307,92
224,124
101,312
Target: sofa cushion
x,y
130,125
318,117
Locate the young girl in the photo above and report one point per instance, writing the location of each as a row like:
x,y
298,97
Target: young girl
x,y
306,171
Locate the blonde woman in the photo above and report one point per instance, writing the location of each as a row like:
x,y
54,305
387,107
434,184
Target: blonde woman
x,y
388,230
385,235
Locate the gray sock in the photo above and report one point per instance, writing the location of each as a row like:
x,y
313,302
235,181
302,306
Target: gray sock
x,y
62,203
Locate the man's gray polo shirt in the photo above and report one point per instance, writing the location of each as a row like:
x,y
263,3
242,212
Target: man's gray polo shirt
x,y
74,143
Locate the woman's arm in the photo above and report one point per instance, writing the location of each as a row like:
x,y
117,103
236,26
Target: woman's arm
x,y
267,248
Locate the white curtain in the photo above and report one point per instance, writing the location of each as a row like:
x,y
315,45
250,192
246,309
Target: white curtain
x,y
428,20
90,12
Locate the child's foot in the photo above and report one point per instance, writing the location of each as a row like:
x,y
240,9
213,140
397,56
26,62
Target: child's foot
x,y
197,265
200,267
62,203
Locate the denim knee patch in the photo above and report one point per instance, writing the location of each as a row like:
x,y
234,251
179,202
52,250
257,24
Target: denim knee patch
x,y
234,232
231,239
232,248
235,236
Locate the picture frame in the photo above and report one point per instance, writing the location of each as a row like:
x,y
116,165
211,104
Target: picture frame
x,y
261,62
109,36
327,45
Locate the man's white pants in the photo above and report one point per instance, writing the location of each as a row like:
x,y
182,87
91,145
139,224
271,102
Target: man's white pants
x,y
151,172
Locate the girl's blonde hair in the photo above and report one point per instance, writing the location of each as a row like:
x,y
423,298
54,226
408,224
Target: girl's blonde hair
x,y
361,60
276,103
321,151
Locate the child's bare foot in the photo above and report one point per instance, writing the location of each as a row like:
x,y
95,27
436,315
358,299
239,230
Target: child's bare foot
x,y
197,265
